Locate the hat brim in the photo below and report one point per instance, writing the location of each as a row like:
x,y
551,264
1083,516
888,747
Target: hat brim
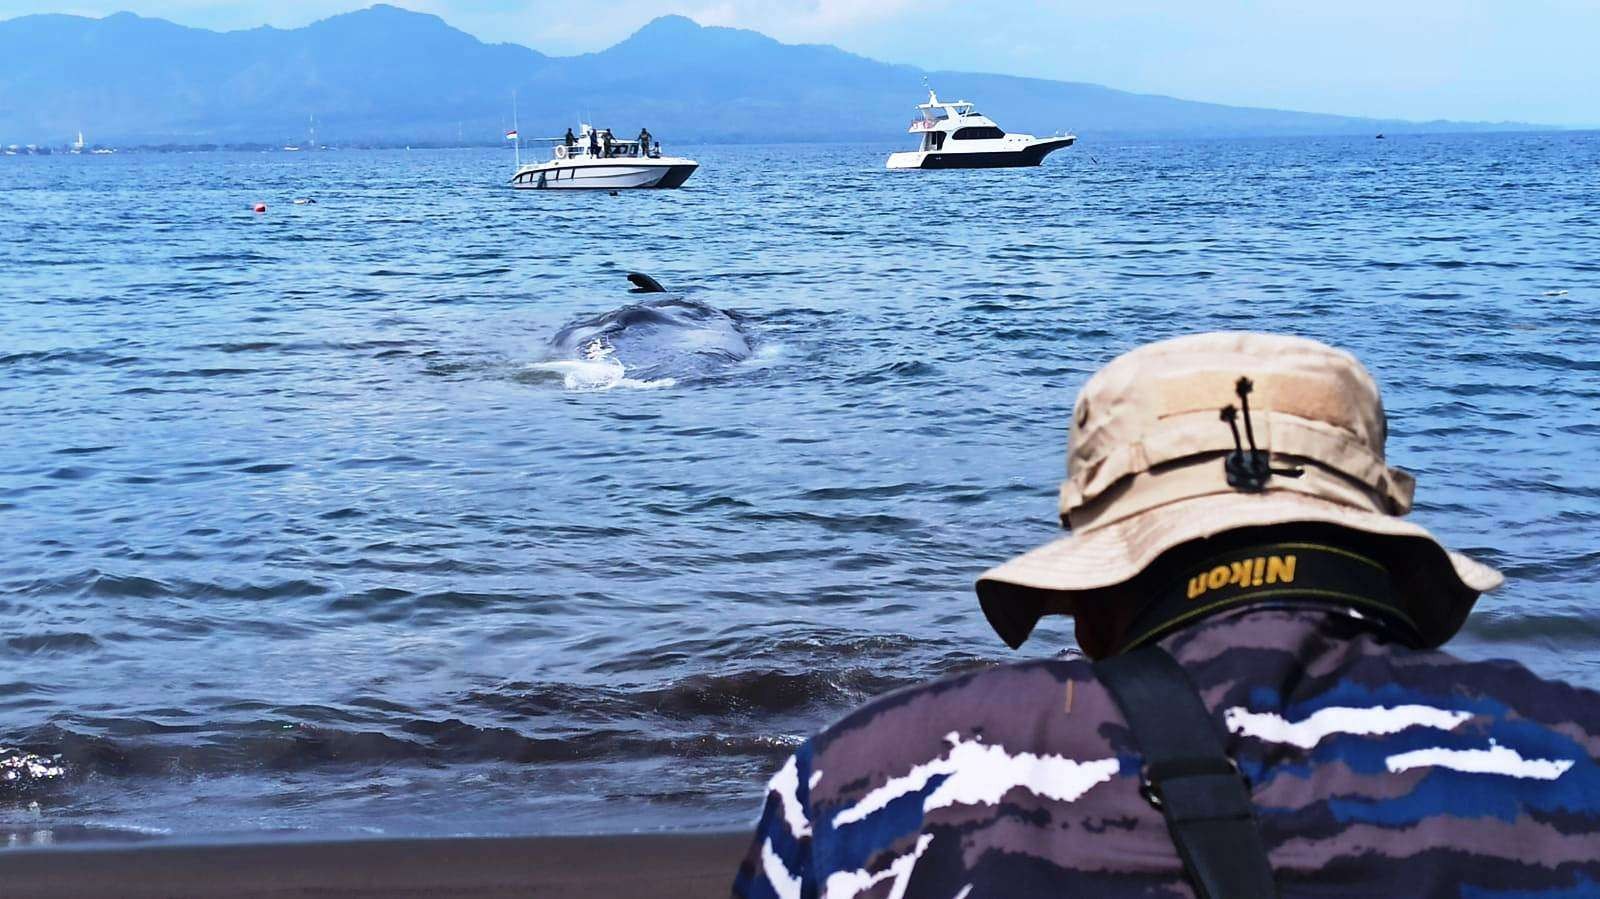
x,y
1439,585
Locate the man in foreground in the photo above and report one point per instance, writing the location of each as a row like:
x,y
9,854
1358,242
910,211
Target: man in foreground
x,y
1267,714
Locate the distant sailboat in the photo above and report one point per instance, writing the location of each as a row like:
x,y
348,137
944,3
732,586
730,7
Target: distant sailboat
x,y
80,146
311,138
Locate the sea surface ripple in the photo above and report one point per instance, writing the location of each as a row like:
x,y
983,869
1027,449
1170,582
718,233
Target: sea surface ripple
x,y
318,522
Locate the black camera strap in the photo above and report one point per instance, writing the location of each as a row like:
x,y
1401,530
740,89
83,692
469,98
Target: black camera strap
x,y
1188,775
1299,573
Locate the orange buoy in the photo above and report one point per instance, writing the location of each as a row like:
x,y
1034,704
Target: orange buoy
x,y
260,207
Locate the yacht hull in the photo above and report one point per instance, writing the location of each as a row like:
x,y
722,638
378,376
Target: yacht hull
x,y
607,174
1031,155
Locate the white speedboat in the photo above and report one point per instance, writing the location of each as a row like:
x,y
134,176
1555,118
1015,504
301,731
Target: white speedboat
x,y
956,136
595,160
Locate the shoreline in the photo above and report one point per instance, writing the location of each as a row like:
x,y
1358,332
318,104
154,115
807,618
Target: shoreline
x,y
665,865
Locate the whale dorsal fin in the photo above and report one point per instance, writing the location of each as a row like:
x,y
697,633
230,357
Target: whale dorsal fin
x,y
643,283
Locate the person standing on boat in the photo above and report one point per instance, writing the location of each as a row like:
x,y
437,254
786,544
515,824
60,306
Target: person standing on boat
x,y
571,139
1266,713
644,141
594,143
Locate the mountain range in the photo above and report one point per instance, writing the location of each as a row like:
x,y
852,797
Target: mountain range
x,y
388,75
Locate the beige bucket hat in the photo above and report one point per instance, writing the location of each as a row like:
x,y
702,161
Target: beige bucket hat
x,y
1147,471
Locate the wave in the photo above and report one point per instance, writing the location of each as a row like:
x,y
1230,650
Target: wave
x,y
24,773
758,714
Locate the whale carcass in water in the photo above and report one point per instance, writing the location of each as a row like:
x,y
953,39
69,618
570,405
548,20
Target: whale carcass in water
x,y
654,343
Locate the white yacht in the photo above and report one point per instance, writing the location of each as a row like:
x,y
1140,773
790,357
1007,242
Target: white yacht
x,y
594,159
957,136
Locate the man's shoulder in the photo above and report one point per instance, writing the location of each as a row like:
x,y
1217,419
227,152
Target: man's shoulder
x,y
1500,689
966,694
1059,708
1017,707
1300,661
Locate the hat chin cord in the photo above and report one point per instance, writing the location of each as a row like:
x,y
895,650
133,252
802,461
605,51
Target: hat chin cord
x,y
1249,470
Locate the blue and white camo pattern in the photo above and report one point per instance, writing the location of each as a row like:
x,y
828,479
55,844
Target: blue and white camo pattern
x,y
1375,770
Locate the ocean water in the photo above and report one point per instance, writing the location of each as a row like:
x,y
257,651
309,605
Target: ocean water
x,y
386,515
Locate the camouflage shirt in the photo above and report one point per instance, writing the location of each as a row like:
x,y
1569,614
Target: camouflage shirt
x,y
1375,770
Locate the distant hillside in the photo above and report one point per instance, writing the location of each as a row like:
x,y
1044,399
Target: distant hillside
x,y
388,75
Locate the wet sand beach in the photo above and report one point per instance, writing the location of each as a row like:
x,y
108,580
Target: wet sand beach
x,y
665,866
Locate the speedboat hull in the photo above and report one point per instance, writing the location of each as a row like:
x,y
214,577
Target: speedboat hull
x,y
605,174
1021,157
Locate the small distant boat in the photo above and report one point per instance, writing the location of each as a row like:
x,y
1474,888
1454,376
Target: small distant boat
x,y
957,136
1380,137
597,160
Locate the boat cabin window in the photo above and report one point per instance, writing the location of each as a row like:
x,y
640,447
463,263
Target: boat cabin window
x,y
979,132
935,140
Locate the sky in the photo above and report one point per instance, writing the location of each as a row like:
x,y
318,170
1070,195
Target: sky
x,y
1480,60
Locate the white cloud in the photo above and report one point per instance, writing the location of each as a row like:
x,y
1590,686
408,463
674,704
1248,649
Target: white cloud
x,y
552,27
801,19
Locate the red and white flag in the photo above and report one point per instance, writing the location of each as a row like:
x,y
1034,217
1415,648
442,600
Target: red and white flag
x,y
511,135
